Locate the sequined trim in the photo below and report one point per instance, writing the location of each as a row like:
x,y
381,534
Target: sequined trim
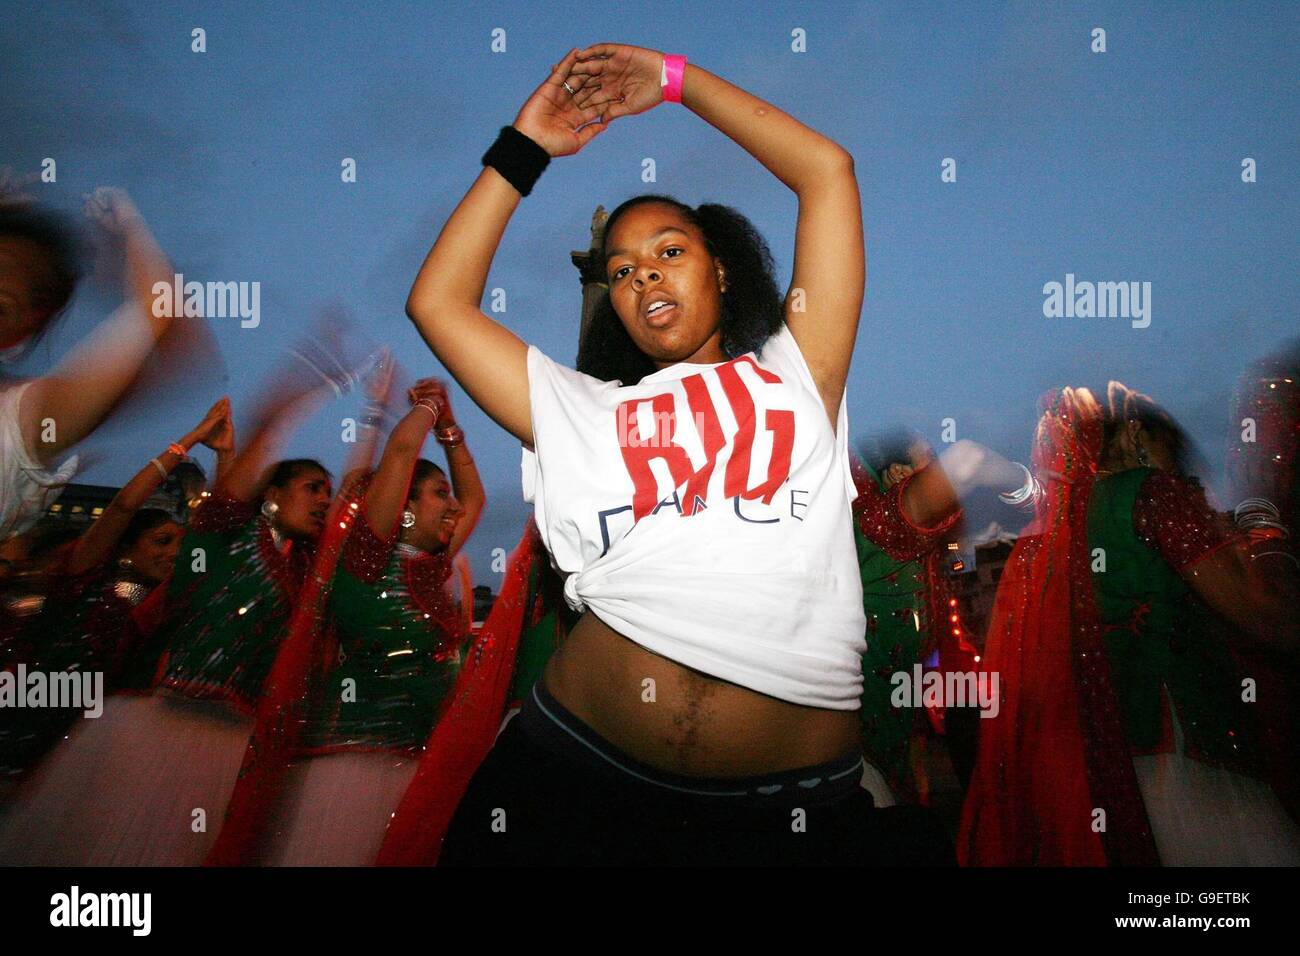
x,y
218,513
1172,517
881,517
366,555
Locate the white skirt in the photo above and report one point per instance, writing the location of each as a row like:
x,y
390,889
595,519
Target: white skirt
x,y
336,808
144,784
1206,816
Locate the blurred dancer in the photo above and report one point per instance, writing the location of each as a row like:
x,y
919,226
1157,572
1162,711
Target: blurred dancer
x,y
1263,466
41,419
908,505
87,623
1124,736
399,638
148,782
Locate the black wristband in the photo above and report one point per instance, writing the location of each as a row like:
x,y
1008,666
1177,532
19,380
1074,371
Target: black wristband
x,y
517,158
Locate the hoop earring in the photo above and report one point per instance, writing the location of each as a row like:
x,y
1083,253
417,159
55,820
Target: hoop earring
x,y
269,509
1142,458
408,519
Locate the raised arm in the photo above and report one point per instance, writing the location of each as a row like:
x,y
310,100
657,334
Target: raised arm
x,y
488,360
295,390
389,489
466,484
100,540
825,297
361,460
80,393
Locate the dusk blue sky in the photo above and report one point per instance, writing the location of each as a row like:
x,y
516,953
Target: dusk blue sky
x,y
1122,166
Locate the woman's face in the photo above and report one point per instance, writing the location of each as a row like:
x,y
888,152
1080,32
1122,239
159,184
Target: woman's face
x,y
665,286
436,513
155,551
302,504
1153,447
24,272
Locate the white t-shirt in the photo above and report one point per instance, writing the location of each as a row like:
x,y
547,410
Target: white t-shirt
x,y
724,543
26,488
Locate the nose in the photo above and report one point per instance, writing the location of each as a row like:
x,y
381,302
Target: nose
x,y
645,275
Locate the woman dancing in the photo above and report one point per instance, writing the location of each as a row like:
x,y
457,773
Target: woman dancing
x,y
398,636
1124,735
42,418
148,782
88,623
702,707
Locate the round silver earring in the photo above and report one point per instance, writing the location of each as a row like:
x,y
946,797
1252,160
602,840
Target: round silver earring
x,y
408,519
269,508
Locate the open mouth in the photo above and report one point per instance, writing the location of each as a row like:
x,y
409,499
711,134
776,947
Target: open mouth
x,y
659,310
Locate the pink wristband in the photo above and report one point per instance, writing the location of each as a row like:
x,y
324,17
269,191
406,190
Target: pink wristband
x,y
671,77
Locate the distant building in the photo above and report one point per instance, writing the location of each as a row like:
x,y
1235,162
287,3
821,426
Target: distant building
x,y
79,505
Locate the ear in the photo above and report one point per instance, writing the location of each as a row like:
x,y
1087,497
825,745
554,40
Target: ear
x,y
721,273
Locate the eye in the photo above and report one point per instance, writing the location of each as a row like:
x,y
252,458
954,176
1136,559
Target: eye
x,y
668,253
620,272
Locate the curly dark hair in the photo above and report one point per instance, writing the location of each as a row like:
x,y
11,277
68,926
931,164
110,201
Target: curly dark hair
x,y
751,307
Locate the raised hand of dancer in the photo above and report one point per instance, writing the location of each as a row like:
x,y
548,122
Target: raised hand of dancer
x,y
554,119
112,210
432,392
215,430
617,79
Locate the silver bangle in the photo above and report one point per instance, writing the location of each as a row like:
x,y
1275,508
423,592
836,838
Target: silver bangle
x,y
1029,492
159,465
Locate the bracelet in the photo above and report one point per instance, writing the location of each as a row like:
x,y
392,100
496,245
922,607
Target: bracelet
x,y
670,77
433,409
159,465
176,448
450,436
1259,515
518,159
1029,492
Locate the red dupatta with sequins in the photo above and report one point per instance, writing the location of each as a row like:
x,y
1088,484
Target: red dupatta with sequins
x,y
261,775
468,727
1056,754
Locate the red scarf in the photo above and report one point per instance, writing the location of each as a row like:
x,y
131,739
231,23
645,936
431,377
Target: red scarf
x,y
303,653
1056,753
469,724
